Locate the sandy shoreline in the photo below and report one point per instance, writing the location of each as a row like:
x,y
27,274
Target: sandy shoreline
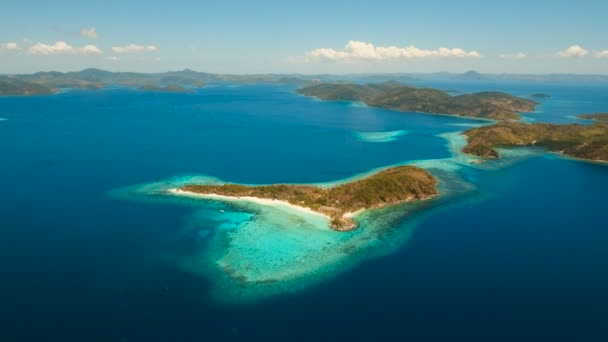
x,y
257,200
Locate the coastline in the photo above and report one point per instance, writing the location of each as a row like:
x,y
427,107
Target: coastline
x,y
256,200
358,104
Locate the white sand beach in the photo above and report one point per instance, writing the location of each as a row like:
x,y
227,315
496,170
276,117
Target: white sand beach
x,y
257,200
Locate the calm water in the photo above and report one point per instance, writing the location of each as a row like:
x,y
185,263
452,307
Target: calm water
x,y
523,256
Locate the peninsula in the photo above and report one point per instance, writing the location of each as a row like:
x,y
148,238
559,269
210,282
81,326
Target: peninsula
x,y
339,203
595,116
580,141
397,96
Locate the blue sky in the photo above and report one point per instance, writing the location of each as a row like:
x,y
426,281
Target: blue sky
x,y
306,36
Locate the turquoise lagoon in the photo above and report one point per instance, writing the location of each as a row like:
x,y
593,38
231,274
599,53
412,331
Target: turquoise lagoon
x,y
91,238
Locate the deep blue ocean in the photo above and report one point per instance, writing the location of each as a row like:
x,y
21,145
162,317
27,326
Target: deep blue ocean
x,y
523,256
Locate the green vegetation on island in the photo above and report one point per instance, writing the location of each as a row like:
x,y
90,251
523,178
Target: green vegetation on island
x,y
387,187
392,95
596,116
173,81
580,141
10,86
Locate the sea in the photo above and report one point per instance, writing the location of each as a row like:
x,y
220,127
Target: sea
x,y
94,248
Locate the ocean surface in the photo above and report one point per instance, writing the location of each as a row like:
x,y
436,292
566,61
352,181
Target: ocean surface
x,y
91,249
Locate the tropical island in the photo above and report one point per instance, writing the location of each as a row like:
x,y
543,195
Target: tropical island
x,y
595,116
339,203
397,96
580,141
44,83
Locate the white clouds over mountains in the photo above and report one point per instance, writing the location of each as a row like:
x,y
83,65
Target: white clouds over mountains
x,y
518,55
600,54
10,46
577,51
134,48
62,47
357,51
574,51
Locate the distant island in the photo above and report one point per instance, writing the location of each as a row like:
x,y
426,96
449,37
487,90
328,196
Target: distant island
x,y
51,82
581,141
339,203
541,96
18,87
596,116
393,95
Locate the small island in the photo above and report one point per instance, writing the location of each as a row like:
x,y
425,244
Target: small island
x,y
541,96
393,95
339,203
595,116
580,141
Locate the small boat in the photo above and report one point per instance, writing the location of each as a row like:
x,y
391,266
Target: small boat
x,y
221,210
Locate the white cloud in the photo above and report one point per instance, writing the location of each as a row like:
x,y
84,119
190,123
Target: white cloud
x,y
10,46
574,51
89,32
90,50
362,51
133,48
113,58
45,49
518,55
600,54
63,48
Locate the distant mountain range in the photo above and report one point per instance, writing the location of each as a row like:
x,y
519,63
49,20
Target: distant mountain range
x,y
53,81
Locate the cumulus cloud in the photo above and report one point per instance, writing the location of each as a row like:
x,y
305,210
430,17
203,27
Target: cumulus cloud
x,y
63,48
574,51
90,50
9,46
113,58
600,54
134,48
363,51
518,55
47,49
89,32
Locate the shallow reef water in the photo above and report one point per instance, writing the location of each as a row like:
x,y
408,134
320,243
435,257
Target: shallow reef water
x,y
379,137
255,251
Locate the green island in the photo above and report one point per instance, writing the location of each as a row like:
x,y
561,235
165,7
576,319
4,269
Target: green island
x,y
391,186
595,116
42,83
397,96
580,141
10,86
